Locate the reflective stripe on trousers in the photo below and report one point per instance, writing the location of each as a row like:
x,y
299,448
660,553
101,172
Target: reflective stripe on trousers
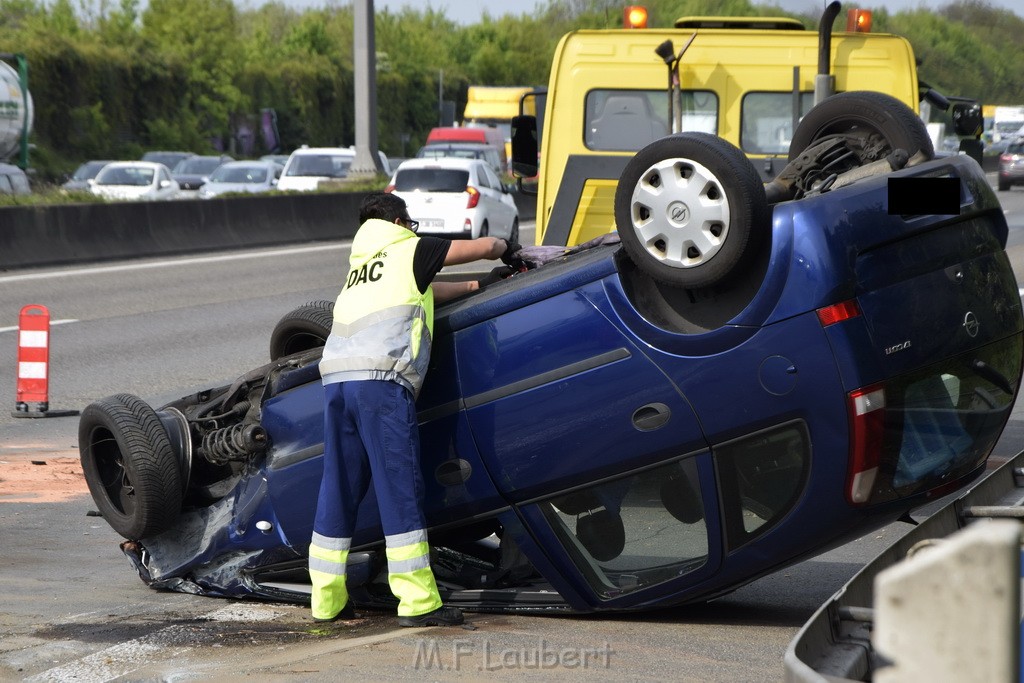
x,y
409,574
327,558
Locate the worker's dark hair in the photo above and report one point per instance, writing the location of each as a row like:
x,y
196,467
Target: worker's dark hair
x,y
382,205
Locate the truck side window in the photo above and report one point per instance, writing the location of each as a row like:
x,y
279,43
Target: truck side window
x,y
766,121
627,120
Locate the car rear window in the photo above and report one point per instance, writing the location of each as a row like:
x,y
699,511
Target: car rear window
x,y
1015,148
197,165
431,180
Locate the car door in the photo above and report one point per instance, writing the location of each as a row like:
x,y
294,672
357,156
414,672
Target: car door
x,y
497,214
599,453
505,204
166,188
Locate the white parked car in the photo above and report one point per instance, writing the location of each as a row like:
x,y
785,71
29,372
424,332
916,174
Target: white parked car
x,y
241,176
456,198
134,180
307,167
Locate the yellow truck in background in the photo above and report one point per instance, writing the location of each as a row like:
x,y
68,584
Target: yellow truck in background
x,y
749,80
495,107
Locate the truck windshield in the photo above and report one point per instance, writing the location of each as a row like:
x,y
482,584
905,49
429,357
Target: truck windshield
x,y
627,120
767,121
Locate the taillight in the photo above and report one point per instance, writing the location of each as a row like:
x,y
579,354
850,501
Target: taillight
x,y
474,197
837,313
1006,157
389,188
866,408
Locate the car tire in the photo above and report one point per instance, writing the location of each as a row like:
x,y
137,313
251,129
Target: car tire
x,y
864,114
302,329
130,467
513,236
725,216
485,229
1003,185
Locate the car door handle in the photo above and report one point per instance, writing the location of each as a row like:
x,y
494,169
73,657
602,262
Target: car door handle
x,y
651,416
453,472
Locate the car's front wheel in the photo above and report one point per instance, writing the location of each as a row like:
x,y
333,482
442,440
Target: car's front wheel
x,y
878,123
691,210
301,329
133,474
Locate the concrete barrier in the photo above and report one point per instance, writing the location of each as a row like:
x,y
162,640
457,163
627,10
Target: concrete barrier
x,y
32,236
53,235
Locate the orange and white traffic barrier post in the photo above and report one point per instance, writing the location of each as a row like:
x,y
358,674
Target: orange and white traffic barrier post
x,y
34,365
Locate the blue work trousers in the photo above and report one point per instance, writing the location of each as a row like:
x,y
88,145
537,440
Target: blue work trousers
x,y
370,431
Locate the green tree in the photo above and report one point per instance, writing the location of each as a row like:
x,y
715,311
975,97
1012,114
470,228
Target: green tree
x,y
199,37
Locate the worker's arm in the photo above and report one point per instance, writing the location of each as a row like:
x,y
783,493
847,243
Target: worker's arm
x,y
443,291
465,251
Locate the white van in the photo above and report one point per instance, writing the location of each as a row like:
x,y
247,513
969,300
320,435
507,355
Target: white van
x,y
307,167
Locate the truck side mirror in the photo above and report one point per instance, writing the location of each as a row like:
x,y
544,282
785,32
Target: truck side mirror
x,y
524,146
967,119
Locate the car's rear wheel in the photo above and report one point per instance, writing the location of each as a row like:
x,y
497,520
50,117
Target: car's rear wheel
x,y
1004,185
876,122
301,329
691,210
132,471
514,235
485,229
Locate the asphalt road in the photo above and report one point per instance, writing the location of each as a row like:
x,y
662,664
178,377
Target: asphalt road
x,y
73,609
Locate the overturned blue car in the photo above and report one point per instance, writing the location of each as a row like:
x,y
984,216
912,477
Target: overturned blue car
x,y
633,424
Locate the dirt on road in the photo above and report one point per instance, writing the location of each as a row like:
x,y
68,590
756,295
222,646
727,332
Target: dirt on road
x,y
31,474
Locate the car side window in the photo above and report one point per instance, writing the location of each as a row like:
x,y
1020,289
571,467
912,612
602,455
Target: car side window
x,y
495,180
482,179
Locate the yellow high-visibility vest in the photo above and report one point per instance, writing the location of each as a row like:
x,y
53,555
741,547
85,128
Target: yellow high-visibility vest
x,y
382,323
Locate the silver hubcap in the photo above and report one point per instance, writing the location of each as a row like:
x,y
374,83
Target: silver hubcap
x,y
680,213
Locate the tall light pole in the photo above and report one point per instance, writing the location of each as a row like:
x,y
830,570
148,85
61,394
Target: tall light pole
x,y
367,161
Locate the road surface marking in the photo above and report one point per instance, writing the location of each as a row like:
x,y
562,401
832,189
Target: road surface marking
x,y
99,270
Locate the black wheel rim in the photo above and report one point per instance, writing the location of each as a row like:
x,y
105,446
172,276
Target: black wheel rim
x,y
117,484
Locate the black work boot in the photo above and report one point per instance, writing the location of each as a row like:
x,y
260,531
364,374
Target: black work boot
x,y
347,612
442,616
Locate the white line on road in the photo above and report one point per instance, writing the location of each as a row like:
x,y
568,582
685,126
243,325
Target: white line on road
x,y
174,262
63,321
118,661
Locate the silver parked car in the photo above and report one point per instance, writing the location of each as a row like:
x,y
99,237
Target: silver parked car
x,y
242,176
1011,165
79,180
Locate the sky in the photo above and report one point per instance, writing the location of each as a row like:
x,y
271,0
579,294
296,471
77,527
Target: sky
x,y
470,11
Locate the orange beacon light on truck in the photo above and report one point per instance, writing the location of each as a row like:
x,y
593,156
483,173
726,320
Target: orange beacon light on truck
x,y
858,21
634,16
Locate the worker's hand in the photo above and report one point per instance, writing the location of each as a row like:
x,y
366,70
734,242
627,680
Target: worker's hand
x,y
496,275
510,251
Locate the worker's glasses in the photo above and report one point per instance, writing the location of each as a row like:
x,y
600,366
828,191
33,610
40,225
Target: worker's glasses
x,y
412,225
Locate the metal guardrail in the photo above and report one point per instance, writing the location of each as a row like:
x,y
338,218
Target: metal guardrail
x,y
835,645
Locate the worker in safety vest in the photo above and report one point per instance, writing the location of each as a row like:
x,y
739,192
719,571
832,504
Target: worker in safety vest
x,y
372,368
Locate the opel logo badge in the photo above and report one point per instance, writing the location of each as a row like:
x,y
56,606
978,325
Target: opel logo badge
x,y
971,324
678,212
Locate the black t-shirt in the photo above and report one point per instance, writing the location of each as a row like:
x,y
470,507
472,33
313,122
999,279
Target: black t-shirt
x,y
428,260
